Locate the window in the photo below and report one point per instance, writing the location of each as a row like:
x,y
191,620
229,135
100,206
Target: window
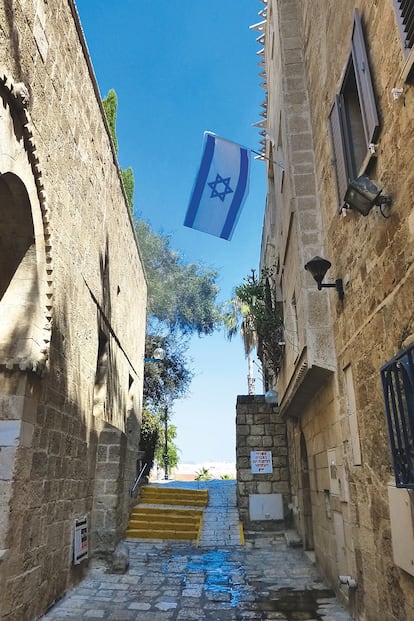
x,y
398,388
353,119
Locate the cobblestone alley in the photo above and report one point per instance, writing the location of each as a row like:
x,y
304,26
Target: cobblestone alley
x,y
221,580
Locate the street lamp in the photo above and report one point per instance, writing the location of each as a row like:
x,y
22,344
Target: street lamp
x,y
166,463
157,356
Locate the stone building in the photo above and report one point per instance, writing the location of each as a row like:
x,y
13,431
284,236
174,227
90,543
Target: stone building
x,y
263,494
72,313
339,104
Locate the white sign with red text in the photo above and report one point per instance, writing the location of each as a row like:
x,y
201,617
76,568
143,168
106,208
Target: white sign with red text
x,y
261,462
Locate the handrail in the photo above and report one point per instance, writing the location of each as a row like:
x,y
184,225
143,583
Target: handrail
x,y
137,480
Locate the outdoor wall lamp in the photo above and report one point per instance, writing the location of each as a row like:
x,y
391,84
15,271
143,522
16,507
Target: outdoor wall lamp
x,y
363,193
157,356
318,268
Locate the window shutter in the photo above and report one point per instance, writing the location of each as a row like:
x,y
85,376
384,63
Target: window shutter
x,y
338,147
364,82
405,14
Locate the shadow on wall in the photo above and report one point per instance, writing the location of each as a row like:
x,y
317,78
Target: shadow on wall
x,y
13,37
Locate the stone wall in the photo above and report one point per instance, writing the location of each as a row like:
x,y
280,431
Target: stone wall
x,y
72,312
375,257
259,427
339,452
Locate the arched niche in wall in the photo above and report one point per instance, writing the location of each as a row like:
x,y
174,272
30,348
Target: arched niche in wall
x,y
25,274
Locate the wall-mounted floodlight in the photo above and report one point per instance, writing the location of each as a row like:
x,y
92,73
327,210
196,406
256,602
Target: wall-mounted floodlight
x,y
318,268
363,194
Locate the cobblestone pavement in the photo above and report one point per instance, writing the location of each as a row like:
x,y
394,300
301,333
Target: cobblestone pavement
x,y
220,580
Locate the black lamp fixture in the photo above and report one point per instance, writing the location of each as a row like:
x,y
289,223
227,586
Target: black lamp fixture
x,y
318,268
363,194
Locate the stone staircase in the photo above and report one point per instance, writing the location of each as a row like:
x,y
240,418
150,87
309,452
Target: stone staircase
x,y
167,513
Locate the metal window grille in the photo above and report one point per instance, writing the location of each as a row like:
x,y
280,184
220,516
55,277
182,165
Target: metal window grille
x,y
397,377
405,10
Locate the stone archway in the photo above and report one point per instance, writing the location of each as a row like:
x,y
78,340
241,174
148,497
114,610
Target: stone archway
x,y
25,298
26,274
19,282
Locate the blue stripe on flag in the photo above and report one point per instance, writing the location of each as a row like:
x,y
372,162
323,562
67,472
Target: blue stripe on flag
x,y
201,180
236,204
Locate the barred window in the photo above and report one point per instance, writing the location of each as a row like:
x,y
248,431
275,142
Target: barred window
x,y
397,377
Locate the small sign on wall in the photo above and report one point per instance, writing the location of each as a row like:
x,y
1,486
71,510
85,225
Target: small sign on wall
x,y
261,462
80,540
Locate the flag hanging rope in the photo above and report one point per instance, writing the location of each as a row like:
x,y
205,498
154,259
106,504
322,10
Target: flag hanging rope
x,y
264,157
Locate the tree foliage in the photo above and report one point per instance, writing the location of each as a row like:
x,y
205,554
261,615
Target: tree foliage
x,y
173,450
168,379
110,104
149,439
152,439
257,314
129,183
181,302
181,296
203,475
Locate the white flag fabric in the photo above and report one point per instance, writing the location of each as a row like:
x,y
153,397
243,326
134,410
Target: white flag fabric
x,y
221,187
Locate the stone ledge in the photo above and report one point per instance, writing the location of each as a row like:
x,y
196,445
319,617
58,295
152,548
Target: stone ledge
x,y
292,539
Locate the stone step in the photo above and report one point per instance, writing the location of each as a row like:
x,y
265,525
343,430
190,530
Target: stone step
x,y
166,516
161,523
163,534
173,496
155,525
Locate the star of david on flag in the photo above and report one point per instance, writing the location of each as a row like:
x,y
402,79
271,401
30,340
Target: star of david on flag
x,y
220,188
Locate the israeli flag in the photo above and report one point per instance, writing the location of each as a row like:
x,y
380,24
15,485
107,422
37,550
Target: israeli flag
x,y
221,187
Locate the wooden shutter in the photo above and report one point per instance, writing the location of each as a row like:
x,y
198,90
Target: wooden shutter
x,y
338,148
405,14
364,82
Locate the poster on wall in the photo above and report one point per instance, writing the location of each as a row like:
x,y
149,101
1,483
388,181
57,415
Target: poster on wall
x,y
261,462
80,540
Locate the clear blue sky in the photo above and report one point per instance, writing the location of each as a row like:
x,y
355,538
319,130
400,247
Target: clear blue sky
x,y
181,67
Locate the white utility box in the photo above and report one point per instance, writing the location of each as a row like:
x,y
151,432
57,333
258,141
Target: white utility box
x,y
265,507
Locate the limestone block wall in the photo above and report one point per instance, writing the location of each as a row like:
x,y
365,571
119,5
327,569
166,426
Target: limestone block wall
x,y
259,427
375,257
338,440
72,330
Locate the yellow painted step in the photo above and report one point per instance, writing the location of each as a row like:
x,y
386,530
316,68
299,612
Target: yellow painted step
x,y
173,496
164,534
145,518
178,526
164,513
164,523
163,520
